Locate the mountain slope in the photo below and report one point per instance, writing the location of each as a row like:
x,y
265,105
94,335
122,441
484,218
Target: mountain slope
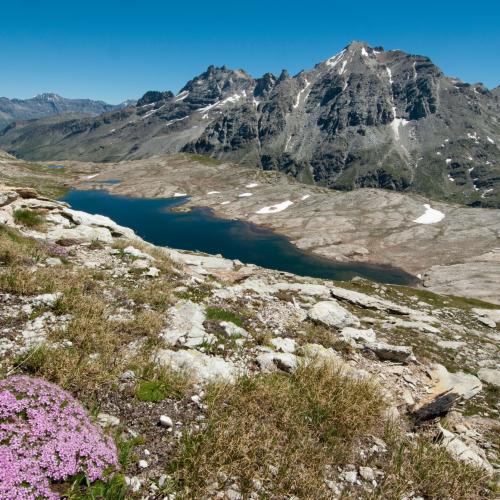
x,y
44,105
363,118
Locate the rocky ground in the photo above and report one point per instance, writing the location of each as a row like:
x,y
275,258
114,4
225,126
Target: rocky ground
x,y
357,389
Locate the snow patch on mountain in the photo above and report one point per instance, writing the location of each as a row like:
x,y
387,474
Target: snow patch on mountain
x,y
272,209
431,216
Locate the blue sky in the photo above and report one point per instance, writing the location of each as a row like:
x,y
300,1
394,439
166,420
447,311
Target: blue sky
x,y
114,50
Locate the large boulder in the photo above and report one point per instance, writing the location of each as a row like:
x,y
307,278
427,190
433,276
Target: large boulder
x,y
368,301
81,233
83,218
465,385
331,313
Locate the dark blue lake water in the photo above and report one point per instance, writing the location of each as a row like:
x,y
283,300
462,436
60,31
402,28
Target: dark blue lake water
x,y
199,230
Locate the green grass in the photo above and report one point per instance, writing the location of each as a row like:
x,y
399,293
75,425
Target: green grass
x,y
162,384
113,488
219,314
151,390
28,218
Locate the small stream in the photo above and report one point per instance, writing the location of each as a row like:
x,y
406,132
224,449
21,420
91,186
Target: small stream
x,y
200,230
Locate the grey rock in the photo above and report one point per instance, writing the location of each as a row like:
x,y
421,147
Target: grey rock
x,y
451,344
368,301
461,451
84,233
490,376
107,420
152,272
139,254
199,366
331,313
463,384
140,264
234,330
7,197
166,421
388,352
86,219
270,361
53,262
307,289
489,317
358,335
284,344
367,473
186,325
349,476
316,353
46,299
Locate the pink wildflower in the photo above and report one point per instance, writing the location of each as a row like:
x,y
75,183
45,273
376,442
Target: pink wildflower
x,y
46,436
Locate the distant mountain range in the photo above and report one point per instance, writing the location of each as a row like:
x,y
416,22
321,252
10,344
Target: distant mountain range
x,y
45,105
365,117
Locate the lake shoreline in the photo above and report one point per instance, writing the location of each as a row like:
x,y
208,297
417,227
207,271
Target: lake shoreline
x,y
367,270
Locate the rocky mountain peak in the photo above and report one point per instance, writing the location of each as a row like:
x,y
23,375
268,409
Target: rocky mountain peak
x,y
217,83
264,85
153,96
283,75
48,97
365,117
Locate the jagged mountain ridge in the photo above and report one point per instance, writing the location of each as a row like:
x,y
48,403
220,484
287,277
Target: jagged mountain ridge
x,y
50,104
363,118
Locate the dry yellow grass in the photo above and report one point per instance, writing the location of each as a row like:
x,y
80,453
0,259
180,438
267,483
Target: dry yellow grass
x,y
16,249
280,429
428,470
286,431
92,350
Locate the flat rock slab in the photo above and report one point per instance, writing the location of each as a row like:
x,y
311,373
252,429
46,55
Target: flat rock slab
x,y
490,376
86,219
463,384
461,451
307,289
83,233
186,325
207,261
489,317
388,352
368,301
199,366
